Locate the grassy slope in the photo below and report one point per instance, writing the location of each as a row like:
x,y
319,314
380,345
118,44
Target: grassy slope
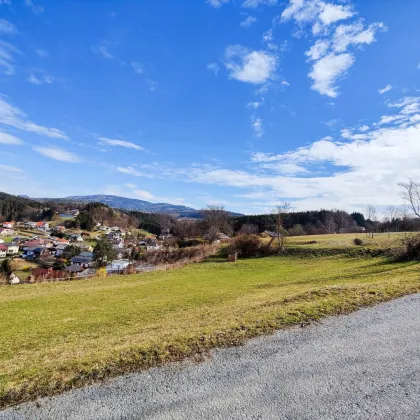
x,y
60,335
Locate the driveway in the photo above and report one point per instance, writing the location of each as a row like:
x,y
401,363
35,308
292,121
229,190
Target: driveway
x,y
361,366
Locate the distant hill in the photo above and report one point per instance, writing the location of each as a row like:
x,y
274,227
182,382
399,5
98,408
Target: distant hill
x,y
132,204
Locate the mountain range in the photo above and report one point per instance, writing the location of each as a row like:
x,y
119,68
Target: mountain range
x,y
132,204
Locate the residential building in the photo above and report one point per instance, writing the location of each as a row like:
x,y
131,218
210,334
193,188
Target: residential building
x,y
117,265
9,225
84,262
12,249
3,251
6,231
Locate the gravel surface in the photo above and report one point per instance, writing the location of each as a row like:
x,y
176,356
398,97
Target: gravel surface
x,y
361,366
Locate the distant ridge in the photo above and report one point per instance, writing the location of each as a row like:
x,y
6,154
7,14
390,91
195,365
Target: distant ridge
x,y
133,204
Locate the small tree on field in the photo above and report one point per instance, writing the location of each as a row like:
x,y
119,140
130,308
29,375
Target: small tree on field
x,y
278,219
6,268
103,252
370,219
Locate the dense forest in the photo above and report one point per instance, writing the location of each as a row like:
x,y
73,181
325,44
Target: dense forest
x,y
17,208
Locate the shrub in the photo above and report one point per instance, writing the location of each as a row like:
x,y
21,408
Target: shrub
x,y
178,255
358,241
184,243
246,246
410,249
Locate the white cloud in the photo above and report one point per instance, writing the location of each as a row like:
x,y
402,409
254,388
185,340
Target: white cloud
x,y
35,8
130,185
387,88
42,53
328,70
129,170
137,67
331,13
330,55
7,60
7,168
217,3
6,138
102,50
318,50
364,170
255,67
214,67
363,128
40,79
253,4
354,34
57,154
143,195
257,125
14,117
121,143
7,27
247,22
153,85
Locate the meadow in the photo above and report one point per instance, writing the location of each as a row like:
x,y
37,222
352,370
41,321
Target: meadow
x,y
55,336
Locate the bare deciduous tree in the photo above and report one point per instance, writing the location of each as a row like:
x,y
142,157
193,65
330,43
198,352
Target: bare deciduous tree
x,y
411,194
370,218
278,217
217,220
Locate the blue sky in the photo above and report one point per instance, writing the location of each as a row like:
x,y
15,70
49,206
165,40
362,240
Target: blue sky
x,y
245,103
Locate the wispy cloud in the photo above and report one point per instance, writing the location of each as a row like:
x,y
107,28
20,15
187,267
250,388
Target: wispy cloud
x,y
120,143
129,170
102,50
253,4
247,22
217,3
34,7
255,67
40,78
57,154
137,67
42,53
6,138
7,27
7,57
386,89
14,117
213,67
7,168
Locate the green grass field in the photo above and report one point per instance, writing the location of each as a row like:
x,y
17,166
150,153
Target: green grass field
x,y
58,335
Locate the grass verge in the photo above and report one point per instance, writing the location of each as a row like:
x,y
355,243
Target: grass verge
x,y
58,336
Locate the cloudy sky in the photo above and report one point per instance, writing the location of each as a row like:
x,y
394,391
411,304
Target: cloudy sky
x,y
245,103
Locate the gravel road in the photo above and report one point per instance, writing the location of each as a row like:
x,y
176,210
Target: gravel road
x,y
361,366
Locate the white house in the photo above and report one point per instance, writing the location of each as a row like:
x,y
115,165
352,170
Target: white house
x,y
6,231
117,265
3,251
12,249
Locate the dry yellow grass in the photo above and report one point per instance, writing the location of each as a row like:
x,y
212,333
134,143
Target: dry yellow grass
x,y
60,335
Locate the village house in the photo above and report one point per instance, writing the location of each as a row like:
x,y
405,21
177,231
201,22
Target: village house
x,y
84,262
59,248
43,226
9,225
61,241
76,237
117,266
32,253
3,251
12,249
6,231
